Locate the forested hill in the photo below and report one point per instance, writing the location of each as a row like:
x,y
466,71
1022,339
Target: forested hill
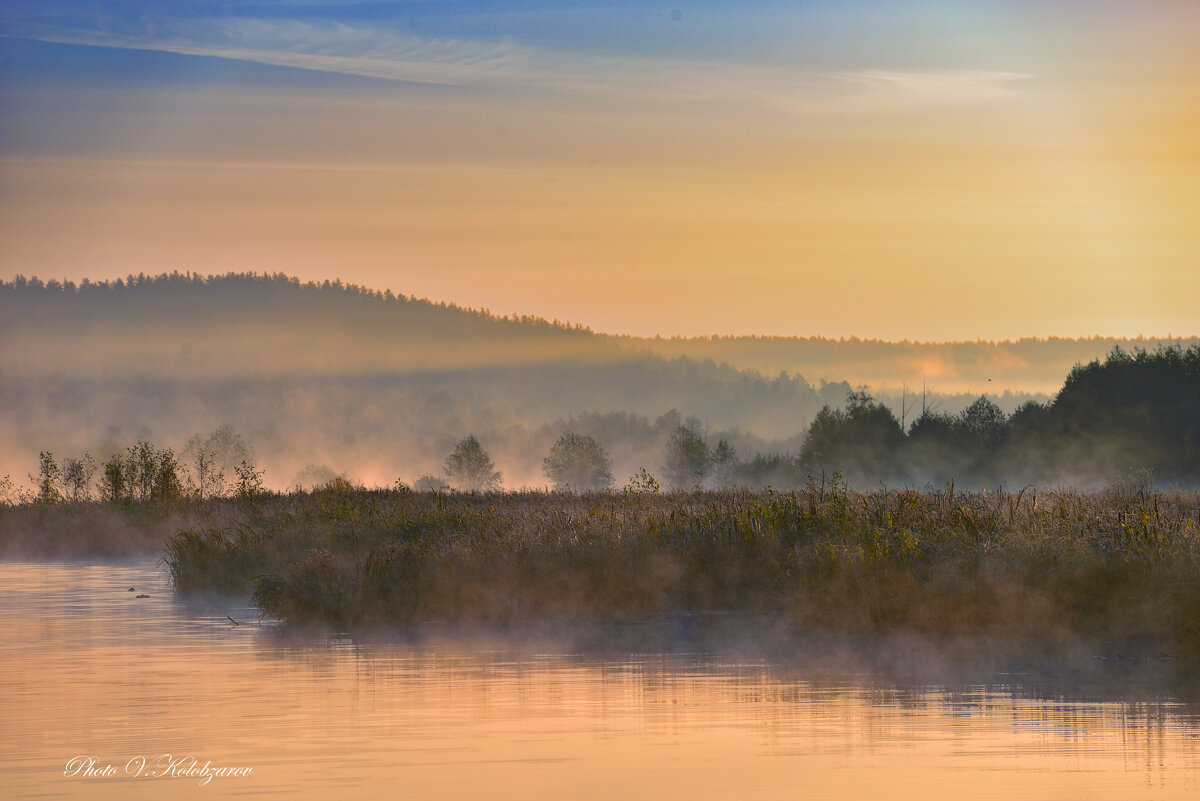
x,y
241,324
238,324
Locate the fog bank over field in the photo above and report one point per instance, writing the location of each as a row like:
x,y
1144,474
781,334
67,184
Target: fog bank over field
x,y
381,387
1027,365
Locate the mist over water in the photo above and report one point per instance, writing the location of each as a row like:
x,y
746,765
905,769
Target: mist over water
x,y
662,709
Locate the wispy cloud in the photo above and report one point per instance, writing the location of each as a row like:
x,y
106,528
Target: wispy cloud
x,y
391,54
946,86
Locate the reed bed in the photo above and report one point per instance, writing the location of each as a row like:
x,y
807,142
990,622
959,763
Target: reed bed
x,y
1118,563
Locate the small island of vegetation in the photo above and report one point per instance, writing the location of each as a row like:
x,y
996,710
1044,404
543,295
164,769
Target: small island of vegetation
x,y
1112,564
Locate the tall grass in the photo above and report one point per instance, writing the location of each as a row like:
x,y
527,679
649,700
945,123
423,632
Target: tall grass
x,y
1116,563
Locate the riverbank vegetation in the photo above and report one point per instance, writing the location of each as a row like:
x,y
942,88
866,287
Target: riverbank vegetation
x,y
1118,564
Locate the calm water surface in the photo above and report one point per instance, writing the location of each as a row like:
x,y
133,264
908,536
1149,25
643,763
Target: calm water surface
x,y
88,669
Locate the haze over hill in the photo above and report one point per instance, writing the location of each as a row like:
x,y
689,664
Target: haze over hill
x,y
382,387
1027,364
240,324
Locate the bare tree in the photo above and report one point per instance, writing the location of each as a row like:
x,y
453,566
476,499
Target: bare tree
x,y
211,459
77,478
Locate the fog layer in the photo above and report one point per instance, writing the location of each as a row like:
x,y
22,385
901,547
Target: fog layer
x,y
335,379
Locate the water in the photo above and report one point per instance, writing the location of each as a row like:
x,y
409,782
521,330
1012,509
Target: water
x,y
88,669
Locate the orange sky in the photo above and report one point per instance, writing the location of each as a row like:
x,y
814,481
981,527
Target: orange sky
x,y
1029,171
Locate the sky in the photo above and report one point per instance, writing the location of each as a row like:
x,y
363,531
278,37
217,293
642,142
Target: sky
x,y
894,170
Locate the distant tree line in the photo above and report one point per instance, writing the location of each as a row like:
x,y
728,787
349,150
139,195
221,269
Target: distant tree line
x,y
1135,412
259,286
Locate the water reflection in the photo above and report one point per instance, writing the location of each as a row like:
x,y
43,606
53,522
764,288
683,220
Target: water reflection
x,y
90,669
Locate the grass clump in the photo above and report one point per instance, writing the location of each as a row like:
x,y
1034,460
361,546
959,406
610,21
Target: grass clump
x,y
1117,563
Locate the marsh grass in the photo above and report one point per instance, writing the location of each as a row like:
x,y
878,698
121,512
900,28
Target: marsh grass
x,y
1115,564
